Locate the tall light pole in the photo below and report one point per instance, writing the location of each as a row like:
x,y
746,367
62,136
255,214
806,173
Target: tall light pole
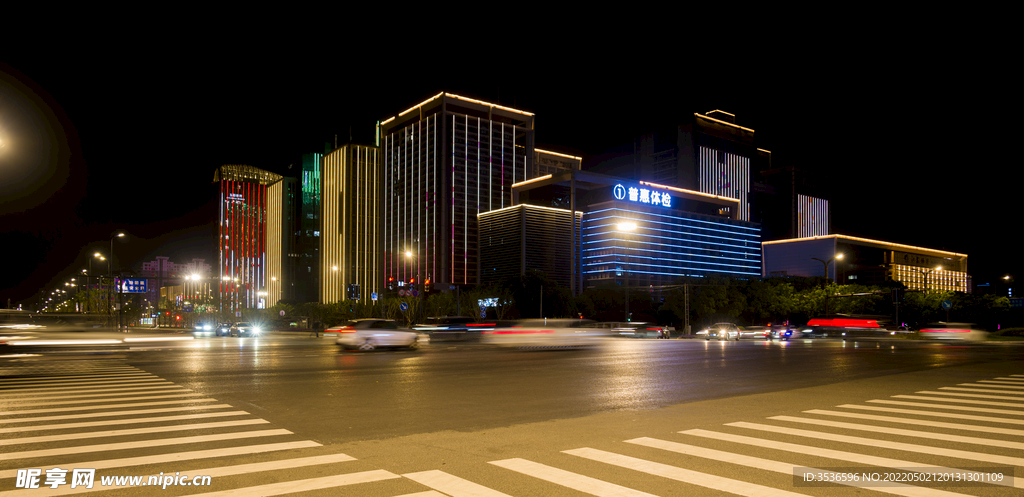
x,y
629,227
422,289
112,280
826,263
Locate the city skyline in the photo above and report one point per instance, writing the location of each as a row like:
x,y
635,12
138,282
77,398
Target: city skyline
x,y
151,175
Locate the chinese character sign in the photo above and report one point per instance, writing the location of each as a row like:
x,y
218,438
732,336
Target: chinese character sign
x,y
642,195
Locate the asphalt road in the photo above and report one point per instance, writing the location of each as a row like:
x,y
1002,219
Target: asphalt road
x,y
666,417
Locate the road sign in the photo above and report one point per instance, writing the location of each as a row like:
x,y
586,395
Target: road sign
x,y
403,306
947,305
132,285
373,296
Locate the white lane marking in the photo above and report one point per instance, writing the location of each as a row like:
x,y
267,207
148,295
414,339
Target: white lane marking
x,y
997,384
15,394
452,485
76,384
948,407
89,401
113,373
161,389
954,415
977,396
979,390
679,474
121,422
131,431
289,487
990,442
585,484
176,457
962,401
112,406
884,462
111,414
885,444
778,467
919,422
1017,380
142,444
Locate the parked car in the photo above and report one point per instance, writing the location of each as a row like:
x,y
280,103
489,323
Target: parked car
x,y
245,329
370,334
721,331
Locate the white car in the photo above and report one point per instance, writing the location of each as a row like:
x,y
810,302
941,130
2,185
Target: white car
x,y
721,331
370,334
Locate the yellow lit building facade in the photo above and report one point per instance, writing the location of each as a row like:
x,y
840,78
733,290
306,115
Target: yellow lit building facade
x,y
350,190
853,260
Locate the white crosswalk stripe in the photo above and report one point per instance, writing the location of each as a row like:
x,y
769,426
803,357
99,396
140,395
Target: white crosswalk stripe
x,y
941,415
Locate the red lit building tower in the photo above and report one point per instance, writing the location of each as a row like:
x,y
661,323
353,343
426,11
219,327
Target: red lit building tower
x,y
243,236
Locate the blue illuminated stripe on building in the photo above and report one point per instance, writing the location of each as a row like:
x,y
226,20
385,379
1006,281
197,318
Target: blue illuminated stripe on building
x,y
664,246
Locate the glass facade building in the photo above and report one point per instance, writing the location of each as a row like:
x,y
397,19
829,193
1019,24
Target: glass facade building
x,y
444,162
636,244
350,199
243,235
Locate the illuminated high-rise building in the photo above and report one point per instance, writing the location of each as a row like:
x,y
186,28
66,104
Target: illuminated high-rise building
x,y
350,199
282,207
243,236
444,162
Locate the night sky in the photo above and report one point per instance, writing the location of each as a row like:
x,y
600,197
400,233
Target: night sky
x,y
909,149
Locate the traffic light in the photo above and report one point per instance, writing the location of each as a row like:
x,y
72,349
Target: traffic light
x,y
427,286
353,291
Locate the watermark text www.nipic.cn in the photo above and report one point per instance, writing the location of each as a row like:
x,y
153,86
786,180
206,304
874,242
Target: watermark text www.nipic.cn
x,y
86,478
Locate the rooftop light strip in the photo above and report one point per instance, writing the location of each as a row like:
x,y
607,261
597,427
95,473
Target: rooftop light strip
x,y
752,263
659,273
702,116
695,252
558,154
866,240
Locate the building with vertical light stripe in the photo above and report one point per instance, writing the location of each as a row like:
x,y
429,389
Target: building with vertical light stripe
x,y
282,205
444,161
243,236
350,198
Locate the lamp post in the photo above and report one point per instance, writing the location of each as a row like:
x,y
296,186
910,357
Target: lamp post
x,y
825,264
926,272
110,274
422,289
629,227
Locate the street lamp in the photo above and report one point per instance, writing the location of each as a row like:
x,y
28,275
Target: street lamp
x,y
629,227
925,272
422,290
829,261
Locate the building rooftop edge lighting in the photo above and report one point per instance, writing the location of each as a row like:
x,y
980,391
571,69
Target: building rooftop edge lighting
x,y
722,111
242,172
523,206
557,153
452,95
866,240
691,192
722,122
533,180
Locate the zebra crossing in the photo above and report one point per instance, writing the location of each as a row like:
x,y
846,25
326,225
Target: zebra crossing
x,y
122,420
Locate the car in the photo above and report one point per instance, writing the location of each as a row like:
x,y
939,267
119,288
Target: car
x,y
548,334
370,334
452,328
721,331
245,329
952,331
206,329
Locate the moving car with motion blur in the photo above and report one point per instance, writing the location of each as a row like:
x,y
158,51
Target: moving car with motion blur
x,y
547,333
721,331
245,329
370,334
952,331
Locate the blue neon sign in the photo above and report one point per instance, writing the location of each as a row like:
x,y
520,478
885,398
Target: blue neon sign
x,y
642,195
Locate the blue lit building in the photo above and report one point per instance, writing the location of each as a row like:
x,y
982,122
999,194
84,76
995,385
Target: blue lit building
x,y
631,233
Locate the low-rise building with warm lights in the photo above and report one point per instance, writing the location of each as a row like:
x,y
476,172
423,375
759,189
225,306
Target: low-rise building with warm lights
x,y
854,260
